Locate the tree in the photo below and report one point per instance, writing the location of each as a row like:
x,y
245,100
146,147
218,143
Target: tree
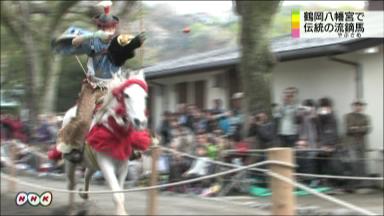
x,y
257,60
32,24
28,31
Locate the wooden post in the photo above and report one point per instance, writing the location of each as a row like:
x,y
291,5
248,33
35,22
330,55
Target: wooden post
x,y
141,30
152,194
283,199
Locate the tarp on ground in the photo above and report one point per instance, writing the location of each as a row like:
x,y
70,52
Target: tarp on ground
x,y
264,192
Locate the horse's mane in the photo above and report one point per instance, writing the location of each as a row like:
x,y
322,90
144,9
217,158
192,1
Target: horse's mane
x,y
116,81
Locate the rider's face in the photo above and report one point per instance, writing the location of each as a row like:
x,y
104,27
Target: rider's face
x,y
109,29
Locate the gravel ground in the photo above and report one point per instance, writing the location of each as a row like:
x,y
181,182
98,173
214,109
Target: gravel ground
x,y
101,204
178,204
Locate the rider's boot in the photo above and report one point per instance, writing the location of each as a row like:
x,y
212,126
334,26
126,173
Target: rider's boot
x,y
135,155
72,139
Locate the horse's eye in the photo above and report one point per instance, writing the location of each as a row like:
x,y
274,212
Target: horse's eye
x,y
126,96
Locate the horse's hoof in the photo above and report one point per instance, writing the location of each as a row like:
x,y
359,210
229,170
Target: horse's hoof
x,y
77,213
121,212
84,196
82,212
71,212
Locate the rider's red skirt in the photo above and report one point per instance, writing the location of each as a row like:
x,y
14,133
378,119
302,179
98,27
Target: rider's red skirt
x,y
119,143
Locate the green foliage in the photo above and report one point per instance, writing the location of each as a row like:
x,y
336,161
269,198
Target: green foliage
x,y
281,25
12,62
70,83
197,28
233,27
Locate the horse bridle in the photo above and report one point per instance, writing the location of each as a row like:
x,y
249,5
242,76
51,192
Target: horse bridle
x,y
118,93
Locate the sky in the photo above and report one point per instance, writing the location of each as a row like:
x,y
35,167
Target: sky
x,y
221,8
215,8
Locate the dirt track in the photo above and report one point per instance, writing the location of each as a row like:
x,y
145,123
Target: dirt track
x,y
178,204
102,203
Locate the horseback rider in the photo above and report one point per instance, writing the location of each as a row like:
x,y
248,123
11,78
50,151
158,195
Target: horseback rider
x,y
107,51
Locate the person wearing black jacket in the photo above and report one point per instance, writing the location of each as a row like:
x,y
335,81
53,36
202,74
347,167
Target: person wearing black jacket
x,y
326,163
263,130
165,129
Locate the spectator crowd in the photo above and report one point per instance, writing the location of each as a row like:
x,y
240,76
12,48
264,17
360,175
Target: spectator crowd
x,y
310,127
15,131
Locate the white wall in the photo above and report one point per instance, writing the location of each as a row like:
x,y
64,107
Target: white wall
x,y
316,78
215,92
157,103
319,77
373,94
169,96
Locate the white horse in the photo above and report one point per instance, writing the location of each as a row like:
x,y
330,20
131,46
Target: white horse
x,y
123,112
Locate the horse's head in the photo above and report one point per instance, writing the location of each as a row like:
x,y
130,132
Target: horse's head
x,y
131,96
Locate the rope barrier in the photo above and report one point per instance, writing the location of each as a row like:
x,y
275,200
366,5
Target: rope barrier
x,y
340,177
323,196
258,152
236,166
320,158
266,150
272,174
149,187
294,149
301,186
264,170
316,193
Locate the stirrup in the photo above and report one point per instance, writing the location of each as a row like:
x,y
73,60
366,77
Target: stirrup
x,y
75,156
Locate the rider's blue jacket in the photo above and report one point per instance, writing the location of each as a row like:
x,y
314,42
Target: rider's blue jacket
x,y
105,57
99,64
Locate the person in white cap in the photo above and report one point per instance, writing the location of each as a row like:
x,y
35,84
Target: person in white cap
x,y
357,126
286,114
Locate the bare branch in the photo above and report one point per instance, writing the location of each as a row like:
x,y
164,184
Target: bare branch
x,y
60,11
15,34
126,8
18,24
6,21
39,8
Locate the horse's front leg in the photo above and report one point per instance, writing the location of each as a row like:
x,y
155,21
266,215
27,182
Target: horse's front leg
x,y
108,170
87,178
122,173
71,183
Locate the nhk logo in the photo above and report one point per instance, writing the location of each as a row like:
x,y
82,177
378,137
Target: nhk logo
x,y
45,199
